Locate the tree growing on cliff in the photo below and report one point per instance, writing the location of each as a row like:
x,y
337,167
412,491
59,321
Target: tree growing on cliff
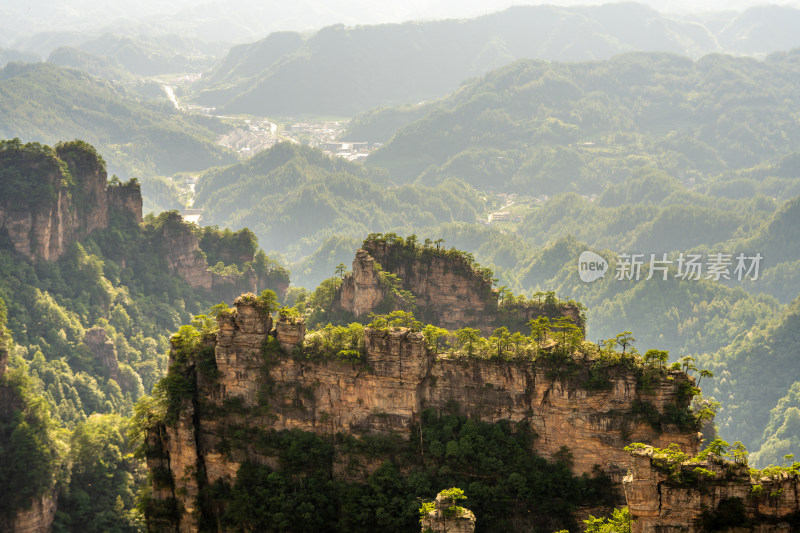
x,y
624,340
500,338
468,337
718,447
655,357
540,328
432,336
569,335
268,301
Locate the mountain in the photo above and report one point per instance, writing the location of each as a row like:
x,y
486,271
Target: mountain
x,y
294,198
88,293
99,66
367,66
46,103
7,56
556,127
362,67
760,30
373,417
152,55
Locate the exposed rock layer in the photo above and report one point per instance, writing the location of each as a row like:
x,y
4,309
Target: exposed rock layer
x,y
448,517
46,229
103,349
401,377
448,291
660,504
38,518
186,259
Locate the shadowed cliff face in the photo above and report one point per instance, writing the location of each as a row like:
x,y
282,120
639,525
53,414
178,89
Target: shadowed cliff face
x,y
72,199
399,378
693,503
38,518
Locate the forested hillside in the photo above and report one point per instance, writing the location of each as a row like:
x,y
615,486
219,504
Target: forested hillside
x,y
644,153
294,198
45,103
87,335
545,128
758,393
523,138
343,70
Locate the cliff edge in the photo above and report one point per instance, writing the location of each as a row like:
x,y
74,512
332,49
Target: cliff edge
x,y
253,377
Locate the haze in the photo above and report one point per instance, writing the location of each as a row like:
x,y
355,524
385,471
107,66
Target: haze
x,y
249,20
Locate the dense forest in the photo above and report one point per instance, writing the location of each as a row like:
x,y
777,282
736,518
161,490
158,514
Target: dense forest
x,y
559,127
294,198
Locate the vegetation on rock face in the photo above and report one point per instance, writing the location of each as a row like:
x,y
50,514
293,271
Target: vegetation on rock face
x,y
501,477
30,173
619,522
67,401
683,156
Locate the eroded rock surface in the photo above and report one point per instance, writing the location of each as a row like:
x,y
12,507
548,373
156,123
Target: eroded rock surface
x,y
399,379
692,502
447,290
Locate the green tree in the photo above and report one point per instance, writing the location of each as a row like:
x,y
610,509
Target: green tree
x,y
740,453
624,340
467,337
540,328
655,357
432,335
718,447
500,338
619,522
268,301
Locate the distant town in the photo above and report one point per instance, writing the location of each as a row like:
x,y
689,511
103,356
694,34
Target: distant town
x,y
257,135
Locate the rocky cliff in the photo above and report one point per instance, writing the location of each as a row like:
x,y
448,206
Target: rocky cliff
x,y
103,350
69,199
446,288
38,518
386,393
185,258
708,495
